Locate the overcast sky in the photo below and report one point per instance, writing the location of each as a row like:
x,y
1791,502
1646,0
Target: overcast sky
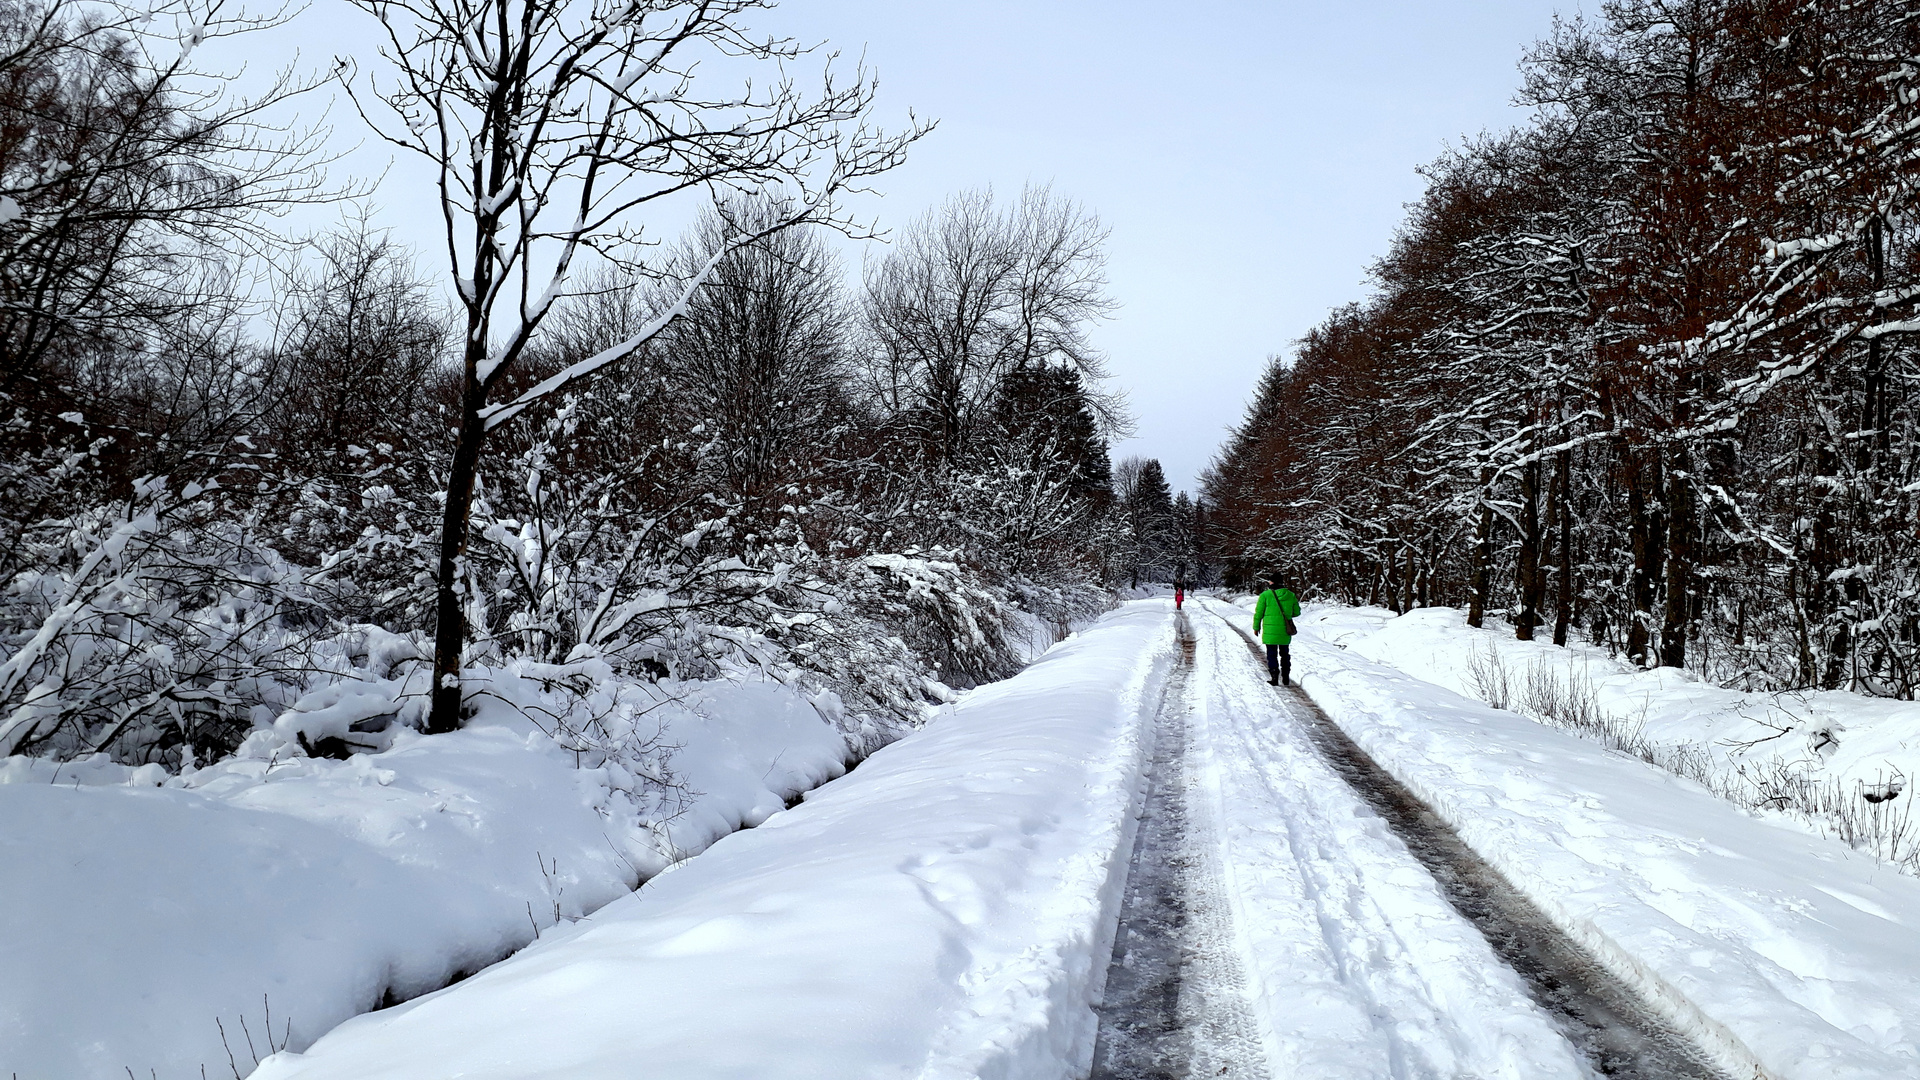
x,y
1251,158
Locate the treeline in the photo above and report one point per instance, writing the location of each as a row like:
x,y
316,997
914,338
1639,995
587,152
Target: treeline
x,y
1643,370
236,470
1159,534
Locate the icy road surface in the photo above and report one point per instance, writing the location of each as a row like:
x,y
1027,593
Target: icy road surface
x,y
1255,842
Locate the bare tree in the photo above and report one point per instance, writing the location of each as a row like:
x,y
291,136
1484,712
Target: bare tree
x,y
972,292
360,342
131,176
551,126
758,364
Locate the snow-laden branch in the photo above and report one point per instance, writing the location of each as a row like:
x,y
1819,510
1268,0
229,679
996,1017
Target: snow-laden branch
x,y
495,415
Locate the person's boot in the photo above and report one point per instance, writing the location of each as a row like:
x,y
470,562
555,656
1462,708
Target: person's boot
x,y
1273,678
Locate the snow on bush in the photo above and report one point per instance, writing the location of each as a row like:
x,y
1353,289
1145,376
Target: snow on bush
x,y
233,739
219,546
152,628
946,911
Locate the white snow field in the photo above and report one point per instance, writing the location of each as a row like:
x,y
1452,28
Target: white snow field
x,y
942,911
1787,954
1784,749
140,916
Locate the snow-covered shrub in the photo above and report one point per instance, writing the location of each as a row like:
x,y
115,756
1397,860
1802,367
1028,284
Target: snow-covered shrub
x,y
736,500
958,624
150,628
1061,602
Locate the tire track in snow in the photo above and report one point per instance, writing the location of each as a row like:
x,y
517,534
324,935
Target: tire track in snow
x,y
1174,1005
1618,1034
1362,969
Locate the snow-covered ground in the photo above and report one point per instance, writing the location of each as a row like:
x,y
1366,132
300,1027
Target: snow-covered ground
x,y
159,924
939,912
1789,954
1827,759
944,911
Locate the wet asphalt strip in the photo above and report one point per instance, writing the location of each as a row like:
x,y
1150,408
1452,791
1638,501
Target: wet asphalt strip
x,y
1619,1034
1141,1036
1174,1005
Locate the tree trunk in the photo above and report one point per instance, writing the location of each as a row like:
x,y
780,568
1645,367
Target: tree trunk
x,y
1823,558
1839,653
1802,639
1428,570
1642,533
1482,556
1873,450
1413,570
1528,581
1391,581
1563,578
1678,609
450,629
1876,411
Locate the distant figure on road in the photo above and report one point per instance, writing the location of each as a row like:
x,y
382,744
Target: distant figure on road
x,y
1179,594
1273,616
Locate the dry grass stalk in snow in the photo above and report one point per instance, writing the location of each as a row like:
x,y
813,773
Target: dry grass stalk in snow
x,y
1870,816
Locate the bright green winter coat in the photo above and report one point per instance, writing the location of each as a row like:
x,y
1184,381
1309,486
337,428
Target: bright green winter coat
x,y
1270,615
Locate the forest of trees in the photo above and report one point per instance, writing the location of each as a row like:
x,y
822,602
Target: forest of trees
x,y
1643,370
235,466
1158,530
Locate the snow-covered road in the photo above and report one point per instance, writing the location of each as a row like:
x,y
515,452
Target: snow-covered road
x,y
1368,923
1284,917
1175,1002
949,909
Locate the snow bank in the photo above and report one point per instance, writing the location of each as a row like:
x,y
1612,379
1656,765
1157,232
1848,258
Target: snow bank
x,y
939,912
1781,950
1818,754
142,916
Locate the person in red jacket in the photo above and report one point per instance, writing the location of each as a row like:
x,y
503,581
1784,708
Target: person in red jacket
x,y
1179,594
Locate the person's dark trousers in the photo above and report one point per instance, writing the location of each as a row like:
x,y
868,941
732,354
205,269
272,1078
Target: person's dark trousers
x,y
1279,662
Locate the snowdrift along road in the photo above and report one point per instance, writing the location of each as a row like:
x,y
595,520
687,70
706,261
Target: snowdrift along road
x,y
139,922
942,911
1787,951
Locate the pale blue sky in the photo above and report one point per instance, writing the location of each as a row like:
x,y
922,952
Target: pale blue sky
x,y
1251,158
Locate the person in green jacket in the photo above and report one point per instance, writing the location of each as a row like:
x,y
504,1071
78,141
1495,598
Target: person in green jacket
x,y
1273,616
